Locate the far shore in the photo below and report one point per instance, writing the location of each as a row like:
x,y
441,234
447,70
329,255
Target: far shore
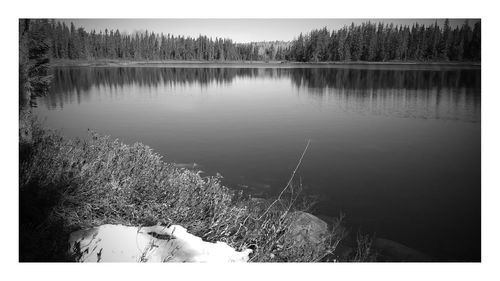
x,y
274,64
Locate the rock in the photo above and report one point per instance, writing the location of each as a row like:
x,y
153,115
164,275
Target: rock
x,y
307,228
186,165
258,201
118,243
259,205
394,251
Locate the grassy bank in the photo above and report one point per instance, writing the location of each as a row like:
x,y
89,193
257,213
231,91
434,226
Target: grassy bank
x,y
70,184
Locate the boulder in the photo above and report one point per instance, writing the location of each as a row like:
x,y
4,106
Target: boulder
x,y
119,243
393,251
307,228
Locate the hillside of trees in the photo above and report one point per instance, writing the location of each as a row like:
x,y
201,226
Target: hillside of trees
x,y
365,42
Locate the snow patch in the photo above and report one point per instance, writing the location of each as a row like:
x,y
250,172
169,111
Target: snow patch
x,y
119,243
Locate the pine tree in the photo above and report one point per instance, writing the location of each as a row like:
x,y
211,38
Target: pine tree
x,y
34,79
476,42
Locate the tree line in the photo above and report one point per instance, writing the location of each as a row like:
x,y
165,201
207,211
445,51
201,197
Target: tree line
x,y
364,42
379,42
69,42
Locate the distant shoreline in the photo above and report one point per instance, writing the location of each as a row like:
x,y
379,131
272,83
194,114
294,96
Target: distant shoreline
x,y
123,63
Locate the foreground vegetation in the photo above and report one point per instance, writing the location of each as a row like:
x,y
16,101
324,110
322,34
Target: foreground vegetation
x,y
70,184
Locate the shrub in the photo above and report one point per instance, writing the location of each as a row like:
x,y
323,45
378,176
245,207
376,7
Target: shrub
x,y
70,184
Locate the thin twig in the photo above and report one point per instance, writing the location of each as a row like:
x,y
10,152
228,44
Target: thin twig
x,y
289,181
281,193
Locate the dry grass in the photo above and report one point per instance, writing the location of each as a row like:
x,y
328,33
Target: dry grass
x,y
70,184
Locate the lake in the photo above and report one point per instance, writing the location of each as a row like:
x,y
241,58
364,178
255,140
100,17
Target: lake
x,y
395,148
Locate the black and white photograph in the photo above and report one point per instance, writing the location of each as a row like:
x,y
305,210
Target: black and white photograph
x,y
249,139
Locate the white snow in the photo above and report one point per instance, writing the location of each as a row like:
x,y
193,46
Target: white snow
x,y
119,243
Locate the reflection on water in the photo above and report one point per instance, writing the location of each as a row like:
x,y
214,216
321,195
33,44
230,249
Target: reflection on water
x,y
440,94
397,148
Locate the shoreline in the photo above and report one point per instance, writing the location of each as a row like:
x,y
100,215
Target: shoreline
x,y
274,64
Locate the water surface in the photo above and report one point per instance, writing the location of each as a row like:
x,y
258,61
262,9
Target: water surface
x,y
396,148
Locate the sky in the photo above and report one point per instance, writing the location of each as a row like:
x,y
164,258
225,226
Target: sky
x,y
240,30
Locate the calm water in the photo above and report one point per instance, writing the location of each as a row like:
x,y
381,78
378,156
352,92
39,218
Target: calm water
x,y
395,148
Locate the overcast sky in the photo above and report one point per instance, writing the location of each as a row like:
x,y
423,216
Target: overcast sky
x,y
240,30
